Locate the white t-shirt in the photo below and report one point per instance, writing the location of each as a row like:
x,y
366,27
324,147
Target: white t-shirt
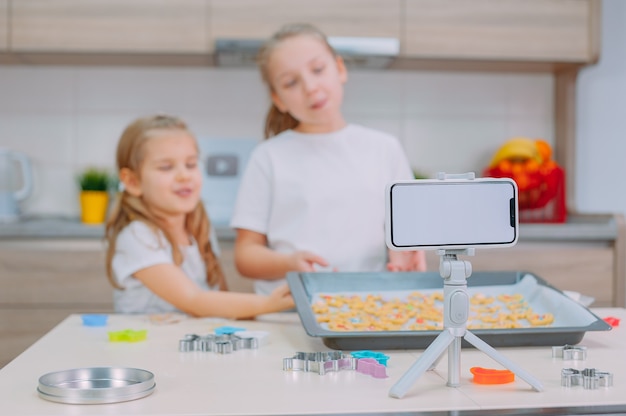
x,y
138,247
323,193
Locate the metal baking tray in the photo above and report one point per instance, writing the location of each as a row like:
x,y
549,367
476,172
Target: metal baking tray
x,y
96,385
571,319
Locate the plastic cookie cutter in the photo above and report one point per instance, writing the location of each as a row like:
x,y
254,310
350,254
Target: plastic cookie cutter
x,y
589,378
570,352
378,356
227,330
492,376
128,335
94,319
372,367
319,362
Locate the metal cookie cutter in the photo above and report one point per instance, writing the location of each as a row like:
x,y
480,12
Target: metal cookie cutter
x,y
319,362
222,344
570,352
589,378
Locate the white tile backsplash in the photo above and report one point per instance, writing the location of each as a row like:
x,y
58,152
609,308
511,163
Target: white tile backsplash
x,y
45,137
27,89
95,138
453,93
65,118
452,144
383,95
55,192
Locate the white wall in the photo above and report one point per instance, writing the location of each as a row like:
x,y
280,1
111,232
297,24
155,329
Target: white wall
x,y
601,115
65,118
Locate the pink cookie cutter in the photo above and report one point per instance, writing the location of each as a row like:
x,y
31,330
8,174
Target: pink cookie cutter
x,y
372,367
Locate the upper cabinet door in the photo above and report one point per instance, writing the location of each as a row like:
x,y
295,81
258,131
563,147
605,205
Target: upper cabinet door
x,y
4,24
150,26
504,30
259,19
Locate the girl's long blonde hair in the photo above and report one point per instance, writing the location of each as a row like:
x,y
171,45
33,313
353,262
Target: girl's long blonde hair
x,y
128,208
276,121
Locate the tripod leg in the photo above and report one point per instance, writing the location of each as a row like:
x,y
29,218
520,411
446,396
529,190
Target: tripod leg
x,y
423,363
490,351
454,363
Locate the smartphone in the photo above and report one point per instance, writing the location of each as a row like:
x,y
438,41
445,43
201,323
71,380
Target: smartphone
x,y
451,214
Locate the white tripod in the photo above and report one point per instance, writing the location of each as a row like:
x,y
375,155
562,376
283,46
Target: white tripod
x,y
456,311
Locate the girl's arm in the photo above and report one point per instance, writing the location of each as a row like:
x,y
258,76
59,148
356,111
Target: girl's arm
x,y
406,261
171,284
256,260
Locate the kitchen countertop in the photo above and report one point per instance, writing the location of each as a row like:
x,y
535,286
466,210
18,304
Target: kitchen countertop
x,y
249,382
581,227
67,227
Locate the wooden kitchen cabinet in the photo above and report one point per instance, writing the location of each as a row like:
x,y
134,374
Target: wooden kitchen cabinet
x,y
556,31
184,26
502,30
259,19
110,26
44,281
4,24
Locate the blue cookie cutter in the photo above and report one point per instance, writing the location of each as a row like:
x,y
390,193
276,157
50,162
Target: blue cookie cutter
x,y
227,330
94,319
378,356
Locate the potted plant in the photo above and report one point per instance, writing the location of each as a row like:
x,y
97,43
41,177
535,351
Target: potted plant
x,y
94,184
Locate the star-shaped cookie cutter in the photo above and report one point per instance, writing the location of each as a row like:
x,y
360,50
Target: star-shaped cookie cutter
x,y
589,378
319,362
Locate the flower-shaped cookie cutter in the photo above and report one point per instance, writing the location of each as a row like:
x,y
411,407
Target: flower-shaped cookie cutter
x,y
589,378
378,356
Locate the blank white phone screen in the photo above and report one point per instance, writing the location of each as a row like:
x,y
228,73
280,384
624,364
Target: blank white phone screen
x,y
472,213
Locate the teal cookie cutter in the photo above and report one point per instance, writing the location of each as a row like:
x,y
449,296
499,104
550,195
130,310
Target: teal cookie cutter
x,y
378,356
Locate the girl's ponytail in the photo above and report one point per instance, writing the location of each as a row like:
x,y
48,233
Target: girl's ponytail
x,y
276,122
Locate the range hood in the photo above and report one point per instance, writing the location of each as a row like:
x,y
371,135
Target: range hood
x,y
357,52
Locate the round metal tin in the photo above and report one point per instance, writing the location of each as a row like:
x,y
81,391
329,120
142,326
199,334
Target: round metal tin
x,y
96,385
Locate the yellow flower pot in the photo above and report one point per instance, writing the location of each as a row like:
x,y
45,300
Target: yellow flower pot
x,y
93,206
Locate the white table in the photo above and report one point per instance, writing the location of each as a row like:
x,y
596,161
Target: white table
x,y
253,382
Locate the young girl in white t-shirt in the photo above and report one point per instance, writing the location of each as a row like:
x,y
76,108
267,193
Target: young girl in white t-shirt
x,y
313,197
160,256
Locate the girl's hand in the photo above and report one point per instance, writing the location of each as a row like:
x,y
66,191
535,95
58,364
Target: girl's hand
x,y
304,261
280,299
406,261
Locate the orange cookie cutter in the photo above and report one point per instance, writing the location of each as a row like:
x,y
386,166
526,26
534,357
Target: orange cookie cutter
x,y
492,376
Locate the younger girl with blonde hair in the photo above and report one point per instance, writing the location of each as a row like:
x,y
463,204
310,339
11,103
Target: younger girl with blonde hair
x,y
312,197
160,256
